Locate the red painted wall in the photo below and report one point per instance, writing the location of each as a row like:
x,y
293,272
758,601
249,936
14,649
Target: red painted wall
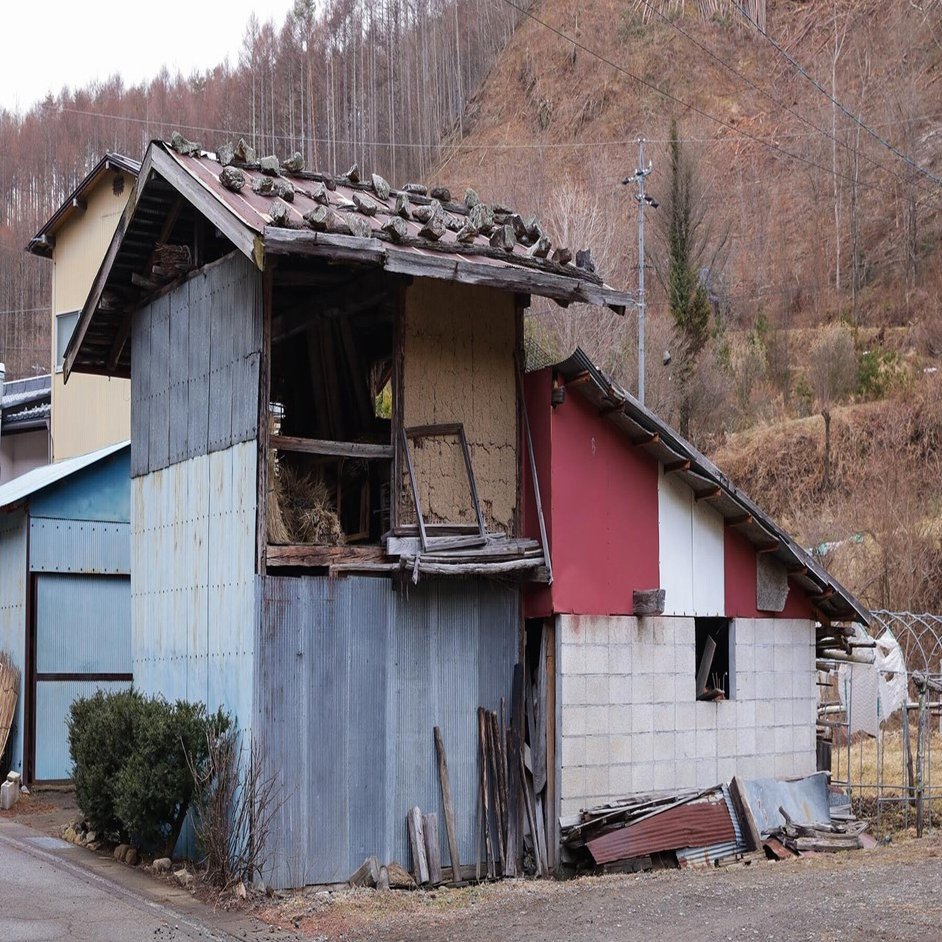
x,y
602,503
739,564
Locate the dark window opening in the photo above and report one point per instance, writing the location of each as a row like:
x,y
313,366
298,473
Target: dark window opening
x,y
714,663
330,465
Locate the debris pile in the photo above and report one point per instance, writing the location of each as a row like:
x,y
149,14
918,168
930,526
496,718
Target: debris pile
x,y
715,827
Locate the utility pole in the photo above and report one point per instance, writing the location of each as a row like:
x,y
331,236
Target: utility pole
x,y
642,198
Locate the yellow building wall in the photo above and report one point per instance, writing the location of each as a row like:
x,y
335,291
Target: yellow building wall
x,y
90,411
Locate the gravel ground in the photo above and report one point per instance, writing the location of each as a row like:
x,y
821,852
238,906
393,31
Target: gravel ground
x,y
890,894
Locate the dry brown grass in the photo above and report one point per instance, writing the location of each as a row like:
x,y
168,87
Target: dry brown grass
x,y
301,508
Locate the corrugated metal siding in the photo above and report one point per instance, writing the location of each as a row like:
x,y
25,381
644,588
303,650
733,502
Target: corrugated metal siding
x,y
83,624
352,675
79,546
194,389
193,580
53,699
13,529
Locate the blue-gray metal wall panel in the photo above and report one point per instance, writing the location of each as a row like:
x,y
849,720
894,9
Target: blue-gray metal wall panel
x,y
83,625
195,366
351,677
53,699
13,537
193,580
79,546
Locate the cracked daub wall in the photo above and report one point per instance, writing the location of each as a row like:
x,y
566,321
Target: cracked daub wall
x,y
459,343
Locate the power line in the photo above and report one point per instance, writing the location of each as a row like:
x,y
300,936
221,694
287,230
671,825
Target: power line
x,y
694,108
797,65
768,94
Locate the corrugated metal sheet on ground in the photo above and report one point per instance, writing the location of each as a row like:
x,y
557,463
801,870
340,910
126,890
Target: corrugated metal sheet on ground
x,y
83,624
693,824
53,700
805,800
705,856
352,676
79,546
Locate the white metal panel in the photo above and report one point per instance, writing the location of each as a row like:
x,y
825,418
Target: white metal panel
x,y
675,544
709,571
691,556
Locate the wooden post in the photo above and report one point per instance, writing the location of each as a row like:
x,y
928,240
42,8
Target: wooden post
x,y
447,805
552,809
483,724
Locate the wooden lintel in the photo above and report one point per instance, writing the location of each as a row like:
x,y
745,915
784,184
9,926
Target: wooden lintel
x,y
769,548
674,466
709,495
741,521
302,554
318,446
652,439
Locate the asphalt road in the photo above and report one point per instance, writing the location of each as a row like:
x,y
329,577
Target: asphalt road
x,y
45,895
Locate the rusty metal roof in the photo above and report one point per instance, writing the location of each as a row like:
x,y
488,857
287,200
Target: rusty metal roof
x,y
660,441
268,215
694,824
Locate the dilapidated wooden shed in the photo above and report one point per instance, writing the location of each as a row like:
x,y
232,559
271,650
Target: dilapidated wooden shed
x,y
325,377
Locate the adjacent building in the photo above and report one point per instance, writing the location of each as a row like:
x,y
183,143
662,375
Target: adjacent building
x,y
24,424
95,410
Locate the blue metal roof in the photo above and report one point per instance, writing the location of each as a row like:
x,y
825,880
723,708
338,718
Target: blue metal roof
x,y
36,480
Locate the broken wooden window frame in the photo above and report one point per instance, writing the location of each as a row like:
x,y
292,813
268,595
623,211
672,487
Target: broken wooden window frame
x,y
442,431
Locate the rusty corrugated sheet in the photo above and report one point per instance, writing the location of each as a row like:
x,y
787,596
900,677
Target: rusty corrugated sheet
x,y
695,824
711,853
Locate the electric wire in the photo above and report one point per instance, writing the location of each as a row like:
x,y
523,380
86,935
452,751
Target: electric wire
x,y
781,104
804,72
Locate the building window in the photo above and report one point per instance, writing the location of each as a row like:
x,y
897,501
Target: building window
x,y
65,327
714,679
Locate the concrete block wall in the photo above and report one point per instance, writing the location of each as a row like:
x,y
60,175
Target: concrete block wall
x,y
630,720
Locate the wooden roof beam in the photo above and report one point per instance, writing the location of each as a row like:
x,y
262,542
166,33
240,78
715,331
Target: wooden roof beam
x,y
674,466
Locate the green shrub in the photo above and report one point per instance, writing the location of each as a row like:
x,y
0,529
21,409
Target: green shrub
x,y
100,737
129,752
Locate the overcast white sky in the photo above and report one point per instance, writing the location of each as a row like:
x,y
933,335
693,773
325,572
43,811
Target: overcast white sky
x,y
71,43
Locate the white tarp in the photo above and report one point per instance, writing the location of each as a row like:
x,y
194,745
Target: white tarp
x,y
876,691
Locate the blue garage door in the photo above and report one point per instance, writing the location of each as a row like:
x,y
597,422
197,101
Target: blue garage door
x,y
83,644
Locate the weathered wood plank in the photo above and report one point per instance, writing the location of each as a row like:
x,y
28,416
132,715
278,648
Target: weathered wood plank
x,y
433,850
302,554
320,446
447,802
417,842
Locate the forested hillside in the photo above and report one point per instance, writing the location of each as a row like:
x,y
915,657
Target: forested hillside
x,y
799,143
381,82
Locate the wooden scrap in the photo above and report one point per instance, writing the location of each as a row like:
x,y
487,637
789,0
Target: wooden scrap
x,y
485,790
495,762
514,842
417,843
433,848
367,874
529,806
706,662
447,804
